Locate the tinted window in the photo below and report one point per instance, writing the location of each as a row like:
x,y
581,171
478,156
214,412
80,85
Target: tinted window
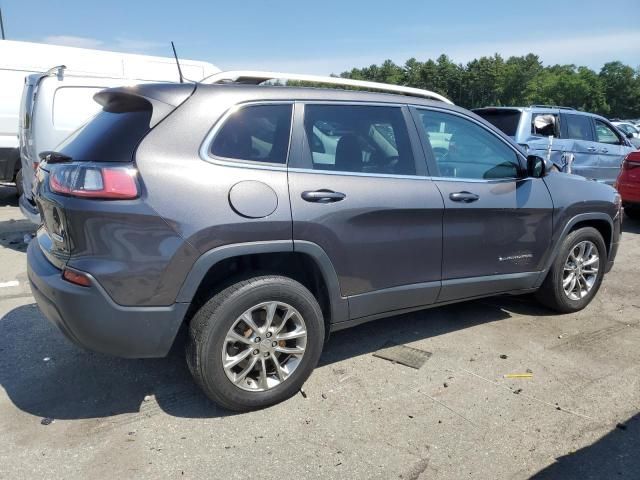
x,y
364,139
505,120
108,137
463,149
604,134
258,133
578,127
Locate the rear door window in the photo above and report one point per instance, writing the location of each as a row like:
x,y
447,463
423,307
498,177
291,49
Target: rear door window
x,y
578,127
359,138
255,133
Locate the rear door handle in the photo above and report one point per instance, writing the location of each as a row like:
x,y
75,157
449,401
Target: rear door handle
x,y
322,196
464,197
604,150
591,149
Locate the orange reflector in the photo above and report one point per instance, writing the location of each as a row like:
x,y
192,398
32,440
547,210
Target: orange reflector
x,y
76,277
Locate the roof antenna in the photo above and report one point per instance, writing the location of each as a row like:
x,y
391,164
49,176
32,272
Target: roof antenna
x,y
177,63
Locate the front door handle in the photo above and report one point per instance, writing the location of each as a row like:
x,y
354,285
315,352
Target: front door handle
x,y
604,150
322,196
464,197
591,149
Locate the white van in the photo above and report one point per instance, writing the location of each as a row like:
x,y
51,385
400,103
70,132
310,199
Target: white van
x,y
46,92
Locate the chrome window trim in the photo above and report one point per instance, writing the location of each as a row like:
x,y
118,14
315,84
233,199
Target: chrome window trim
x,y
205,147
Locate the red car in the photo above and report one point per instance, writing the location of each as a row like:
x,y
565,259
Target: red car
x,y
628,185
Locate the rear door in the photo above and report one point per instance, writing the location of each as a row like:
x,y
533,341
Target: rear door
x,y
497,223
359,189
578,129
611,151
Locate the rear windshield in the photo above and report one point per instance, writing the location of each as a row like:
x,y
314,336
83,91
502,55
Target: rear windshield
x,y
505,120
108,137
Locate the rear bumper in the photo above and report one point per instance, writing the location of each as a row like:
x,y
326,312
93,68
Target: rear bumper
x,y
630,192
29,210
89,318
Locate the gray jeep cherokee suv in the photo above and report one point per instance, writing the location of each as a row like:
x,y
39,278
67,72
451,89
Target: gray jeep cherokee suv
x,y
261,218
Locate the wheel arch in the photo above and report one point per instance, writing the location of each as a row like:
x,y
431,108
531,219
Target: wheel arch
x,y
301,260
598,220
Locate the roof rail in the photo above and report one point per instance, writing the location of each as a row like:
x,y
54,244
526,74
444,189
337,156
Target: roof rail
x,y
552,106
250,77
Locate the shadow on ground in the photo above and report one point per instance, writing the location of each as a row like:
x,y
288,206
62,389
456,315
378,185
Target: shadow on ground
x,y
613,456
8,195
47,376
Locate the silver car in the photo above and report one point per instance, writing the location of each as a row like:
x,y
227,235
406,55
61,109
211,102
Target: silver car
x,y
576,142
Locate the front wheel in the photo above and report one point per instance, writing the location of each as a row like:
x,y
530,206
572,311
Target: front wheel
x,y
576,273
256,342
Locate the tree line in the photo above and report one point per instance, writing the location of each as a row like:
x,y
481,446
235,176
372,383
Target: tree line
x,y
614,91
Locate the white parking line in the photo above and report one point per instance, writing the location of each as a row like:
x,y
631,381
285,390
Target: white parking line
x,y
12,283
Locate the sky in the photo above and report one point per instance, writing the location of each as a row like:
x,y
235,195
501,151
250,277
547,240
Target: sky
x,y
329,36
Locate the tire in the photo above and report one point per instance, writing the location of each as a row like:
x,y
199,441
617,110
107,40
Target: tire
x,y
210,326
552,293
632,212
18,181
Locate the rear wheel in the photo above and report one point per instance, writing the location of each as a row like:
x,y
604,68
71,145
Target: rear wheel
x,y
255,343
576,273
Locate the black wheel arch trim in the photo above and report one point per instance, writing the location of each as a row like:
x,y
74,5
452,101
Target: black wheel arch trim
x,y
582,217
339,304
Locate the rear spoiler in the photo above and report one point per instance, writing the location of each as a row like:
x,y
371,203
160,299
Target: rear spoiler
x,y
162,99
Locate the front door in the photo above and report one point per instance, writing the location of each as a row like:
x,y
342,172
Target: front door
x,y
611,151
497,223
359,190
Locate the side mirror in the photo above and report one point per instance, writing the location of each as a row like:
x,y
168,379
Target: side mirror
x,y
630,135
536,166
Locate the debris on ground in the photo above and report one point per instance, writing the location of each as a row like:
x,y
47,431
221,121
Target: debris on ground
x,y
46,421
324,396
503,356
518,375
147,398
445,384
303,393
518,391
621,426
46,359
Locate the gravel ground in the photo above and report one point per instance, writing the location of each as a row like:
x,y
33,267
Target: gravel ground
x,y
68,413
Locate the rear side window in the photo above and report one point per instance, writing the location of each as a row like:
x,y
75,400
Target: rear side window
x,y
578,127
109,136
359,139
256,133
505,120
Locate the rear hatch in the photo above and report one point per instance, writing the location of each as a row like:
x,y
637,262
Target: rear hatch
x,y
95,165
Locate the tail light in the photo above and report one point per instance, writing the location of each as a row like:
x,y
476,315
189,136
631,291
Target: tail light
x,y
109,183
631,161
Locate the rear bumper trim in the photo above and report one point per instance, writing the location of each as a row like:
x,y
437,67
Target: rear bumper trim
x,y
91,319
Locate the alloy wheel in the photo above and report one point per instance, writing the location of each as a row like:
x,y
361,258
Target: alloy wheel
x,y
264,346
580,270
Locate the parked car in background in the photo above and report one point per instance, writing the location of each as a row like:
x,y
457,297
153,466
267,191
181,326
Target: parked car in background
x,y
630,131
628,185
261,218
581,143
57,97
